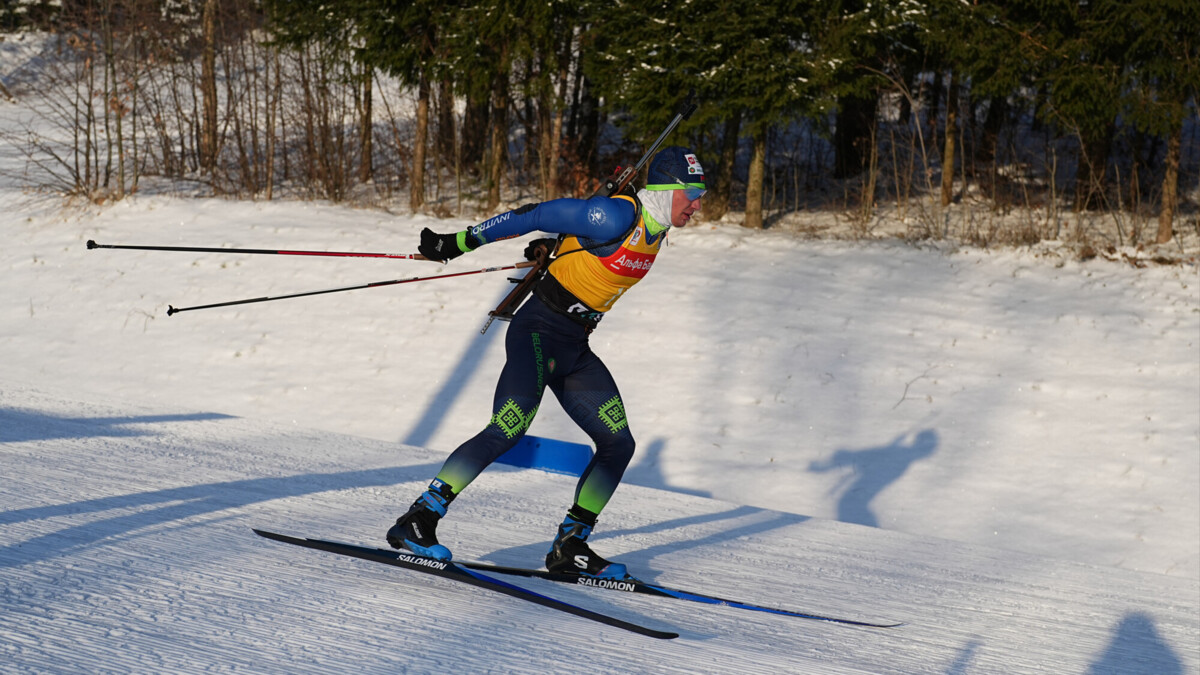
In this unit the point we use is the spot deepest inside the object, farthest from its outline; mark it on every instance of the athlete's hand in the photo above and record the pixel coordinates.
(439, 247)
(545, 245)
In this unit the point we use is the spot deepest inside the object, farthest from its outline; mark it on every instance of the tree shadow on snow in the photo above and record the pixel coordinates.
(871, 471)
(142, 513)
(465, 368)
(1137, 649)
(28, 425)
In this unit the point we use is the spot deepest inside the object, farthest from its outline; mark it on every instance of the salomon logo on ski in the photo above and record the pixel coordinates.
(608, 583)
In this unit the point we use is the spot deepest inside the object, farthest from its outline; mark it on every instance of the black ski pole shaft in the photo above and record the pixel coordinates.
(260, 251)
(375, 284)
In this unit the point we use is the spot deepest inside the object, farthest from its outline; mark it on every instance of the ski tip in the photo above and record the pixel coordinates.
(273, 535)
(871, 624)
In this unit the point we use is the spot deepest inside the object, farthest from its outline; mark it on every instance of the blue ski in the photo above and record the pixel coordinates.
(635, 585)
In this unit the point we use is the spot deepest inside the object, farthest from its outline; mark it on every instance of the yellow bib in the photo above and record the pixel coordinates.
(599, 281)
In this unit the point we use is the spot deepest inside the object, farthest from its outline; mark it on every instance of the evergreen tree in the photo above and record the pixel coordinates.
(545, 48)
(1160, 80)
(407, 39)
(484, 41)
(866, 42)
(757, 67)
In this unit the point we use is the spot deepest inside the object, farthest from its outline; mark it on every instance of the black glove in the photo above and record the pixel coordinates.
(547, 244)
(439, 247)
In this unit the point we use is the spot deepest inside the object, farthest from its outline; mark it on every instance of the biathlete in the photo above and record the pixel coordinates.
(610, 244)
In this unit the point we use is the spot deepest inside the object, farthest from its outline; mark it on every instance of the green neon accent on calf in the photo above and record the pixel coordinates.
(594, 497)
(457, 482)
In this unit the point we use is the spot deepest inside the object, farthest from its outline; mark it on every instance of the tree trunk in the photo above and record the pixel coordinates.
(499, 139)
(474, 133)
(716, 204)
(948, 145)
(445, 135)
(754, 184)
(545, 113)
(208, 88)
(588, 129)
(273, 89)
(852, 135)
(1093, 161)
(564, 79)
(368, 127)
(1170, 187)
(416, 183)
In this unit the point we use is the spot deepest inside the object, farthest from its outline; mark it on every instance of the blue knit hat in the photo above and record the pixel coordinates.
(675, 168)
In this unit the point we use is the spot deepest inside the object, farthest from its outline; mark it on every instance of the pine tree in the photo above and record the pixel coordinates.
(1160, 80)
(406, 38)
(757, 67)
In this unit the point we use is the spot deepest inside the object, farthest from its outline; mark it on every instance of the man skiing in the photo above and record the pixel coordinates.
(609, 245)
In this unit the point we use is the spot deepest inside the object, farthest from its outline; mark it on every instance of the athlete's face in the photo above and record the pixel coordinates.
(682, 208)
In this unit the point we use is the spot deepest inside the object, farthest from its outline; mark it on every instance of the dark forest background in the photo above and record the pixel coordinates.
(454, 106)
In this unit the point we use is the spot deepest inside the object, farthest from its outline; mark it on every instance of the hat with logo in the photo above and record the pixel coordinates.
(677, 168)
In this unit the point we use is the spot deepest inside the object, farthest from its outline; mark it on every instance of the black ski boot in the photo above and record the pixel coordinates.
(416, 530)
(570, 553)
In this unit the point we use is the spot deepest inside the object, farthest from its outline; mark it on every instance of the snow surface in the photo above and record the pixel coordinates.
(126, 547)
(1019, 431)
(999, 448)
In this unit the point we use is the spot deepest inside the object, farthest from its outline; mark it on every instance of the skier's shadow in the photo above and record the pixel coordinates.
(1138, 647)
(648, 471)
(871, 471)
(750, 521)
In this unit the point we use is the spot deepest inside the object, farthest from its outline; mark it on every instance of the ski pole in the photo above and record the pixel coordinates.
(260, 251)
(375, 284)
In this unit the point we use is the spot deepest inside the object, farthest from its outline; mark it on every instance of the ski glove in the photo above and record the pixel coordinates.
(444, 247)
(547, 244)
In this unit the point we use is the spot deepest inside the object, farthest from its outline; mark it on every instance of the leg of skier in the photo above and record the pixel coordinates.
(518, 394)
(590, 397)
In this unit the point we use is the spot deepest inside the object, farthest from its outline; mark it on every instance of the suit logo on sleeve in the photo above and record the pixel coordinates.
(596, 216)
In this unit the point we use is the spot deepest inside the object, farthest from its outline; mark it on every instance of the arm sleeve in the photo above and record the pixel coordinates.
(600, 218)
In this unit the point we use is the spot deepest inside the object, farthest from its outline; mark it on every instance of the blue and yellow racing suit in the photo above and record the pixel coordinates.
(609, 246)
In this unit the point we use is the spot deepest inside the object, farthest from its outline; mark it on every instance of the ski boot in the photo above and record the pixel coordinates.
(416, 530)
(570, 553)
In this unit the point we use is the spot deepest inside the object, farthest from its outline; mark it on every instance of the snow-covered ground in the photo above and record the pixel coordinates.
(999, 448)
(1021, 432)
(125, 547)
(1019, 401)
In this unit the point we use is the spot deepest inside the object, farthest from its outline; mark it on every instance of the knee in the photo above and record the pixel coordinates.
(616, 450)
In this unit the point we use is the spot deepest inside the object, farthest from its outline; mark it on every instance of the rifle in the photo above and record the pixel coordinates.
(614, 185)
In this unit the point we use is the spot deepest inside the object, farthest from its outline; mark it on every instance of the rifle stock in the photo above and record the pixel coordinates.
(510, 303)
